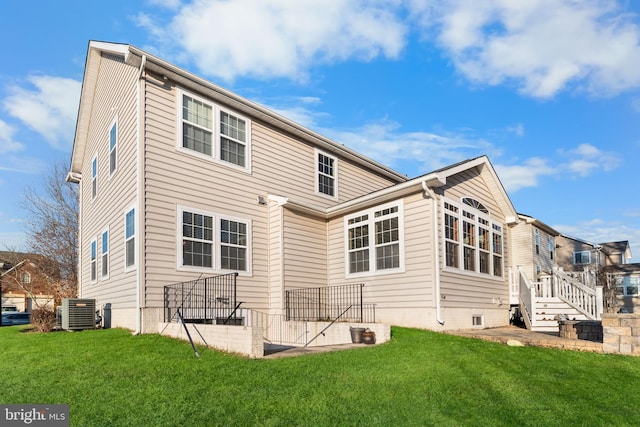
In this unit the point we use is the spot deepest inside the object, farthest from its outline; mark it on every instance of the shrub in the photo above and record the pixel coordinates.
(43, 319)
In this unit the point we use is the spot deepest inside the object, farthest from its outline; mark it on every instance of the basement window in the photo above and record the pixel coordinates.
(477, 320)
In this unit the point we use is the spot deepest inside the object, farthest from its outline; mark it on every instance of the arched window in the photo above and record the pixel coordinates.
(26, 278)
(475, 204)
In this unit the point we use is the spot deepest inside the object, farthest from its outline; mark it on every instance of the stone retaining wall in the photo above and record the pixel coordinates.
(589, 330)
(621, 333)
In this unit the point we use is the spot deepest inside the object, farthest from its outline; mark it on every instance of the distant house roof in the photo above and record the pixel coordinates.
(624, 268)
(539, 224)
(621, 247)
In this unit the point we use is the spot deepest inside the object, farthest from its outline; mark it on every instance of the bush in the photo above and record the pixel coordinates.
(43, 319)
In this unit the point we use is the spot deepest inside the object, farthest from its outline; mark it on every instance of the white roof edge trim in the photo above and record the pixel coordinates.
(274, 117)
(116, 48)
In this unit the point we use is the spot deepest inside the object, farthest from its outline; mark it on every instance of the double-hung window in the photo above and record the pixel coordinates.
(627, 285)
(536, 236)
(451, 235)
(94, 177)
(113, 148)
(212, 241)
(130, 238)
(94, 260)
(209, 130)
(552, 247)
(327, 174)
(105, 254)
(473, 242)
(197, 240)
(374, 241)
(582, 257)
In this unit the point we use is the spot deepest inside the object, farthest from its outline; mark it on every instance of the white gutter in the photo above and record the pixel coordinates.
(140, 138)
(436, 252)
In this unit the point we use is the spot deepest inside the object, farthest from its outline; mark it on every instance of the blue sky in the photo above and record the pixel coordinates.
(548, 89)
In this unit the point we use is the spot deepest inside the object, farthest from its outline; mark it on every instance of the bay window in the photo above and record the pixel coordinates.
(472, 241)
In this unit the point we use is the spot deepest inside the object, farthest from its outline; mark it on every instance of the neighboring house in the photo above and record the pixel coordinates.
(533, 245)
(181, 179)
(626, 280)
(24, 285)
(578, 255)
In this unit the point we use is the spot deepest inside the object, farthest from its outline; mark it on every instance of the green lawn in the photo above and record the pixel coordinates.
(111, 378)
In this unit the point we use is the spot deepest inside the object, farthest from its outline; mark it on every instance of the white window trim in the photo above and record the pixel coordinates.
(373, 271)
(115, 148)
(461, 218)
(102, 254)
(134, 266)
(215, 132)
(94, 178)
(93, 262)
(217, 252)
(316, 154)
(581, 255)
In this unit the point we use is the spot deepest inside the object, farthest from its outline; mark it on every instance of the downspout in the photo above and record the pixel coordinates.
(138, 198)
(436, 249)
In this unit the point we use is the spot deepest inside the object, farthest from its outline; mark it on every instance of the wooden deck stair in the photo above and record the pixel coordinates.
(548, 308)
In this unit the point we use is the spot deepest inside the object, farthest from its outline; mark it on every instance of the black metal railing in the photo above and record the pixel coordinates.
(340, 303)
(204, 300)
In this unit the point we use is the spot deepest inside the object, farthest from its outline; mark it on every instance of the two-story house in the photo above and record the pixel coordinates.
(181, 179)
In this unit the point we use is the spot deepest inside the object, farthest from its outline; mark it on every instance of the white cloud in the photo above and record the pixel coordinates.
(527, 174)
(281, 38)
(7, 143)
(49, 108)
(544, 46)
(586, 159)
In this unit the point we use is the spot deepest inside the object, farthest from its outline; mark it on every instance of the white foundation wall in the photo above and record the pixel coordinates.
(250, 340)
(453, 318)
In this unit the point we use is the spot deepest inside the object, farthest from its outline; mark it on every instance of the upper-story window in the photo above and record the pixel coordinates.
(472, 241)
(94, 177)
(552, 247)
(327, 173)
(26, 277)
(113, 148)
(212, 241)
(374, 240)
(582, 257)
(536, 234)
(214, 132)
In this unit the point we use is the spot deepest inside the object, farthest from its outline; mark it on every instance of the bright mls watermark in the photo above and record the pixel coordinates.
(34, 415)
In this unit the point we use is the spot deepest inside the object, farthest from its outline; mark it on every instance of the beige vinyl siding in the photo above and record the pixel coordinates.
(305, 251)
(275, 257)
(280, 165)
(115, 96)
(522, 248)
(460, 289)
(411, 289)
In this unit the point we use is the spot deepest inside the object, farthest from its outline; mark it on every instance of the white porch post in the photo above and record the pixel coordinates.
(599, 302)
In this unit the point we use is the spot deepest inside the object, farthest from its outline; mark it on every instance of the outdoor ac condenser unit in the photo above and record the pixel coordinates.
(78, 313)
